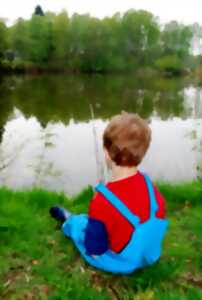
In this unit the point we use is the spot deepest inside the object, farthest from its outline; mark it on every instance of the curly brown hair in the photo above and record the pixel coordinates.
(127, 138)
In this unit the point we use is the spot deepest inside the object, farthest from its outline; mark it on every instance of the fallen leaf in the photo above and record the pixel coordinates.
(35, 262)
(52, 242)
(29, 296)
(27, 278)
(82, 269)
(45, 289)
(7, 283)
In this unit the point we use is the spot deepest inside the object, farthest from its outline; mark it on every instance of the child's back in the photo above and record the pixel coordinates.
(133, 192)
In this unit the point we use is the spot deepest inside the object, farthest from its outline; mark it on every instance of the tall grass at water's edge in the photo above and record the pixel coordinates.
(37, 262)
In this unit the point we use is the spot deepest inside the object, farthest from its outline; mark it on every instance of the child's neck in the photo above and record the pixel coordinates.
(118, 172)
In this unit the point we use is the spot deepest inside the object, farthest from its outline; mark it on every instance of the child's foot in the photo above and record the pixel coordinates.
(59, 213)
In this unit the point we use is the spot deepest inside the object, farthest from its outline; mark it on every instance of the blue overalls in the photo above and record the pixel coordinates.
(143, 249)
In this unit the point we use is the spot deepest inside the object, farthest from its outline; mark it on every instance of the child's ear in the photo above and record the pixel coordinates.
(106, 154)
(107, 158)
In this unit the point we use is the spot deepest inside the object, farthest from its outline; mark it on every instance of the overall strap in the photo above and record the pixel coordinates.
(118, 204)
(153, 203)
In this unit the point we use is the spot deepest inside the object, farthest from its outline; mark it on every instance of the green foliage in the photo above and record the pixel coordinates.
(37, 262)
(176, 39)
(60, 27)
(141, 34)
(3, 39)
(40, 34)
(19, 40)
(87, 44)
(169, 63)
(176, 42)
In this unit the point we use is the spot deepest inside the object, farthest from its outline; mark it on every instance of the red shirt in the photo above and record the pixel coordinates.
(132, 191)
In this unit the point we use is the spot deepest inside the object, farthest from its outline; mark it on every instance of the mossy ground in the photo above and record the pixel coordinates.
(37, 262)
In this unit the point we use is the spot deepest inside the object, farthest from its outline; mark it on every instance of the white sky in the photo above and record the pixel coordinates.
(186, 11)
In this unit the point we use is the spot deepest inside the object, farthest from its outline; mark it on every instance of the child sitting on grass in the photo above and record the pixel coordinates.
(125, 224)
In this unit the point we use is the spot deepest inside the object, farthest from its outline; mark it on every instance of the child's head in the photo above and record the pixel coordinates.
(126, 139)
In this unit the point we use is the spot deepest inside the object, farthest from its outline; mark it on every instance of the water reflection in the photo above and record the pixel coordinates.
(59, 98)
(193, 101)
(46, 136)
(61, 156)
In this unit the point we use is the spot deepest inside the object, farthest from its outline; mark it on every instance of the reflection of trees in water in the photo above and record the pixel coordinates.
(193, 101)
(198, 103)
(8, 156)
(59, 98)
(197, 107)
(6, 105)
(11, 150)
(42, 167)
(195, 134)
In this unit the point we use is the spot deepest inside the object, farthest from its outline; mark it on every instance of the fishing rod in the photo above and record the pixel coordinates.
(99, 168)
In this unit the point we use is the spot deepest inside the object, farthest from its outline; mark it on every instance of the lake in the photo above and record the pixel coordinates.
(46, 127)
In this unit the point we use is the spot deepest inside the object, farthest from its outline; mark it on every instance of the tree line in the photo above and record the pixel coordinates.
(87, 44)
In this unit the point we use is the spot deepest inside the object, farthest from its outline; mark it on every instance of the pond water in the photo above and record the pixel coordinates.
(46, 127)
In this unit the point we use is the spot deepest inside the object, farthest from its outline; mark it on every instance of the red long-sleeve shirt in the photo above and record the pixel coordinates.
(132, 191)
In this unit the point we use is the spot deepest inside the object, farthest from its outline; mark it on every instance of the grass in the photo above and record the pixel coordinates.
(37, 262)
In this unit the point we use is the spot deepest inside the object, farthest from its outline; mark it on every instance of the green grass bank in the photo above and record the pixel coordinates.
(37, 262)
